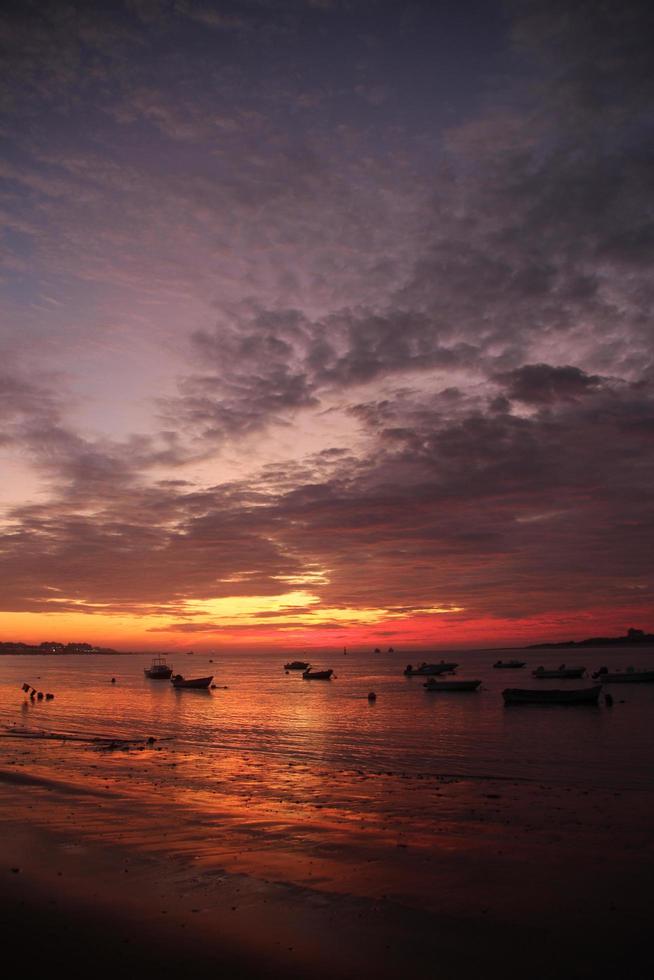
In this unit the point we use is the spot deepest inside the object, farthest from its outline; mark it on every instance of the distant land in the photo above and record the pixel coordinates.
(632, 637)
(54, 649)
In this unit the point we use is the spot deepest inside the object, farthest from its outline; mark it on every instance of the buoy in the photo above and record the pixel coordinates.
(113, 680)
(49, 697)
(40, 696)
(372, 696)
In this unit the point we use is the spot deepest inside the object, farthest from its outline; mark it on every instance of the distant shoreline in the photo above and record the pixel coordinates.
(633, 638)
(68, 653)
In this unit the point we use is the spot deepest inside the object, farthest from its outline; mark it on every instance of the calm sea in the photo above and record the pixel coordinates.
(275, 720)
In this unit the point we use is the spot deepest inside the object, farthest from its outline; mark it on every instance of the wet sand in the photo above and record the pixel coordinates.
(509, 878)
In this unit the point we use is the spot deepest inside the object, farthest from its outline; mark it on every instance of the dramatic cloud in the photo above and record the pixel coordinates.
(542, 384)
(309, 326)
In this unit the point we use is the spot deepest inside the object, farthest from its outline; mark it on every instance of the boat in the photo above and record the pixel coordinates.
(584, 695)
(197, 683)
(434, 685)
(158, 670)
(296, 665)
(561, 673)
(429, 669)
(510, 663)
(628, 676)
(317, 675)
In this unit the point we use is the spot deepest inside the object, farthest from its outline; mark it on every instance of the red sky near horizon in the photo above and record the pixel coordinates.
(315, 333)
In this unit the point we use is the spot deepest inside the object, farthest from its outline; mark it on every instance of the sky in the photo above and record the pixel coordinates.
(326, 323)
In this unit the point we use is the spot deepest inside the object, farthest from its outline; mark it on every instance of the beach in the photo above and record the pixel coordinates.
(169, 856)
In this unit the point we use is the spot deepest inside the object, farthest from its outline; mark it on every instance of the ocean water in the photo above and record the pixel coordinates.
(260, 723)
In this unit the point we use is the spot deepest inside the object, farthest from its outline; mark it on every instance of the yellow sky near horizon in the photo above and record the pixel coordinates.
(262, 619)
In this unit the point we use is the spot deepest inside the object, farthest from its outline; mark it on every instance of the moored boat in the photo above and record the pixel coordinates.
(197, 683)
(560, 673)
(425, 669)
(158, 670)
(509, 663)
(585, 695)
(297, 665)
(433, 685)
(628, 676)
(317, 675)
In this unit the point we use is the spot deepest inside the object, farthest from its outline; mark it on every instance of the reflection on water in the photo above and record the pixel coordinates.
(277, 721)
(310, 782)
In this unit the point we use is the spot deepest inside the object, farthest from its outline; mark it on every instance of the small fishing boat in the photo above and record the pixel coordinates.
(560, 673)
(317, 675)
(197, 683)
(429, 669)
(158, 670)
(585, 695)
(296, 665)
(628, 676)
(509, 663)
(433, 685)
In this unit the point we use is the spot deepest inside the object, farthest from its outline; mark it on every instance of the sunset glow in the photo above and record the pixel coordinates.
(327, 489)
(292, 357)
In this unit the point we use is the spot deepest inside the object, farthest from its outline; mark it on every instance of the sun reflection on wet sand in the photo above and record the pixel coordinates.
(434, 807)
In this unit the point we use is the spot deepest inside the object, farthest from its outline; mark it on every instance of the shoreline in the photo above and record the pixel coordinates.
(621, 643)
(145, 886)
(81, 906)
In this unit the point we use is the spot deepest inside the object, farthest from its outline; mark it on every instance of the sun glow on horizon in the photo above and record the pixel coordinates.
(264, 618)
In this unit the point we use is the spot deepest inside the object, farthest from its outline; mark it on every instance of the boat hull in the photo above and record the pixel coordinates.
(570, 673)
(451, 685)
(317, 675)
(297, 665)
(193, 683)
(586, 695)
(429, 670)
(510, 664)
(628, 677)
(158, 670)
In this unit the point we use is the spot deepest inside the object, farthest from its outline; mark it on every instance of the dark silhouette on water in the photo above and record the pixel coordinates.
(194, 683)
(628, 676)
(159, 670)
(585, 695)
(317, 675)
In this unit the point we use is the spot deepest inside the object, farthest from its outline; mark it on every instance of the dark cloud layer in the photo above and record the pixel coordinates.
(541, 384)
(536, 246)
(450, 511)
